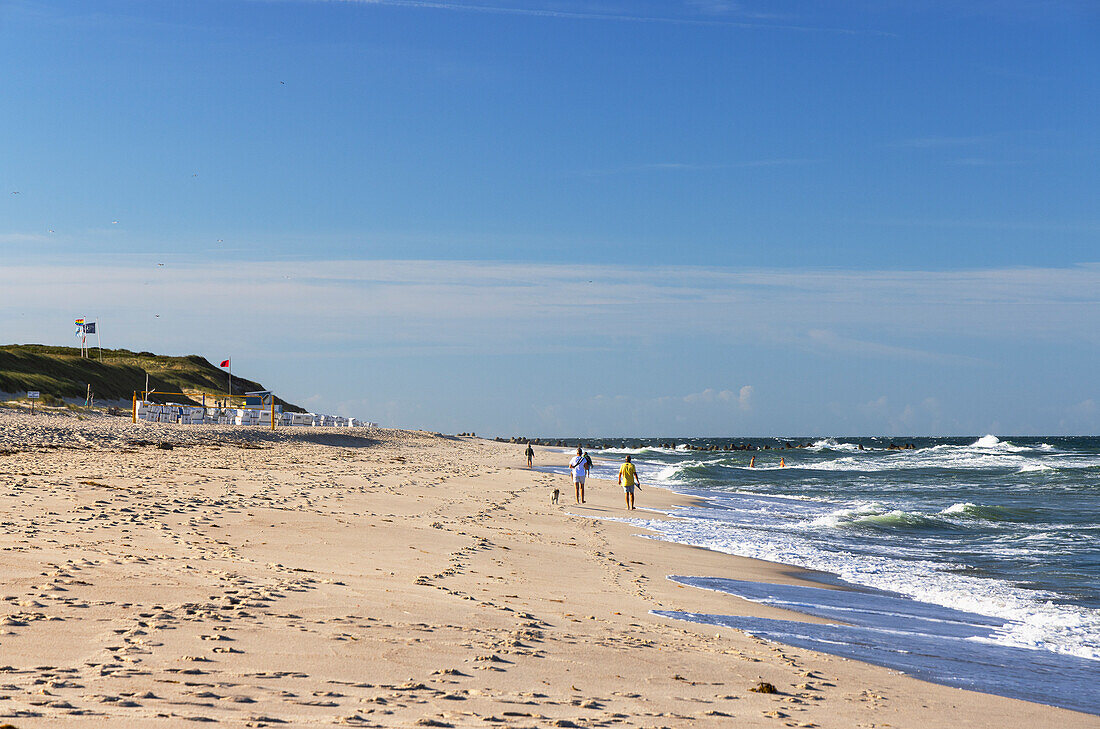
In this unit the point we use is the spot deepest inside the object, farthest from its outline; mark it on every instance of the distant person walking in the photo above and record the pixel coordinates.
(530, 453)
(579, 466)
(628, 478)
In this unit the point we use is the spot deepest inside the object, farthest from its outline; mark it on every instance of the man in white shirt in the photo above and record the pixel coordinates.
(579, 466)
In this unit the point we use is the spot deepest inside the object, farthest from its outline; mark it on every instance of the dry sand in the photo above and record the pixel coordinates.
(317, 577)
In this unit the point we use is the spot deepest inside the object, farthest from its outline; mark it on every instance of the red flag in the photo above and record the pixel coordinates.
(224, 364)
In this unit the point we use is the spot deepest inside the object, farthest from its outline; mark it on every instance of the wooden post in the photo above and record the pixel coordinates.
(133, 418)
(273, 411)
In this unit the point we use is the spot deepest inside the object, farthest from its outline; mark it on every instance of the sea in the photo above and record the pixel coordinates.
(971, 562)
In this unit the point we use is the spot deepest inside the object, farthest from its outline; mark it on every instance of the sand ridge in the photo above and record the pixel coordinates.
(313, 577)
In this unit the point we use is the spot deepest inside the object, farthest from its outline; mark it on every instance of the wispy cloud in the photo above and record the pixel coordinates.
(1059, 226)
(693, 167)
(545, 12)
(415, 306)
(23, 238)
(829, 340)
(936, 142)
(982, 162)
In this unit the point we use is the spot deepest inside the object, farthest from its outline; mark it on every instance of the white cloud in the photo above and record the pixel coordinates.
(457, 306)
(708, 395)
(744, 398)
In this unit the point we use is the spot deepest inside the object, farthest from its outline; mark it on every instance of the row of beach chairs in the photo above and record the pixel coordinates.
(197, 415)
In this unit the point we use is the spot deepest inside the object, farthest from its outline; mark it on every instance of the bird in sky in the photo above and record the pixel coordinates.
(114, 222)
(160, 264)
(14, 192)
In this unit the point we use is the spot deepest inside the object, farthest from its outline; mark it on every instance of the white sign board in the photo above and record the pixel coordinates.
(33, 394)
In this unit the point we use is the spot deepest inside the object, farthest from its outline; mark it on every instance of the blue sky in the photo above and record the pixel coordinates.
(666, 218)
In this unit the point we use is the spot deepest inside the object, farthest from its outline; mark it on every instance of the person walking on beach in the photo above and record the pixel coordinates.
(628, 477)
(579, 466)
(530, 453)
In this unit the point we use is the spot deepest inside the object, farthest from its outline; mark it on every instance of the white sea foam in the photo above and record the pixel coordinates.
(877, 514)
(1035, 468)
(832, 445)
(791, 497)
(946, 457)
(992, 442)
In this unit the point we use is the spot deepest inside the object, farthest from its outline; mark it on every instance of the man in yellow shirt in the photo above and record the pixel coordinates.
(628, 476)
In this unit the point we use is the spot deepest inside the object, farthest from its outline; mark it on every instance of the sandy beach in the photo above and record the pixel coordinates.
(164, 575)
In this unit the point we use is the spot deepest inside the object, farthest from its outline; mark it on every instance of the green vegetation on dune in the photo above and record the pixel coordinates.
(61, 372)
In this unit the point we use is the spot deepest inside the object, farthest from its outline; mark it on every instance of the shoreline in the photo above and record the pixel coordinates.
(397, 580)
(763, 572)
(672, 500)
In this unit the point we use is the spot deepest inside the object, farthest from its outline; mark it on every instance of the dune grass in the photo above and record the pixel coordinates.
(61, 372)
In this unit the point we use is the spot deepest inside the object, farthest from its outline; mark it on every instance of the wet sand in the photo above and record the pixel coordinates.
(162, 575)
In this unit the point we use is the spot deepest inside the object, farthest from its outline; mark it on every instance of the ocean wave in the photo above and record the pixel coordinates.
(832, 445)
(643, 450)
(992, 442)
(669, 475)
(790, 497)
(1035, 468)
(685, 471)
(941, 457)
(878, 517)
(970, 510)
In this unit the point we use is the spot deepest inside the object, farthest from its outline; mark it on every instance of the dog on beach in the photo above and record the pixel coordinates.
(554, 496)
